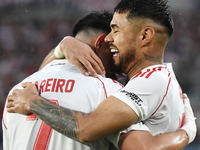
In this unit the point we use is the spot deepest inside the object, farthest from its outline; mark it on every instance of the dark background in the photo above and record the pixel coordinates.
(29, 29)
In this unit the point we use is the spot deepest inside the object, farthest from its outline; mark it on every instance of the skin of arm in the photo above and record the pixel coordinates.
(79, 54)
(143, 140)
(76, 125)
(50, 57)
(82, 56)
(80, 126)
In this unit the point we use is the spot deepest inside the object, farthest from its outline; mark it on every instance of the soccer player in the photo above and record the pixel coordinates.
(62, 79)
(138, 24)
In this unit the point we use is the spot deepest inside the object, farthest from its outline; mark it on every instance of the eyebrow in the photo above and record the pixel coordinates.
(114, 26)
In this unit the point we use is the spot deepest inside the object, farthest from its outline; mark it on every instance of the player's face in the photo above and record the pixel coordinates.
(106, 57)
(123, 41)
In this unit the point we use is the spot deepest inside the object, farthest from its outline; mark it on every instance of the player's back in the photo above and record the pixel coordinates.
(63, 84)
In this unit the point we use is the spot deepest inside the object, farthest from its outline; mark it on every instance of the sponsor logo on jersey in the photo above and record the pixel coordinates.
(133, 97)
(57, 64)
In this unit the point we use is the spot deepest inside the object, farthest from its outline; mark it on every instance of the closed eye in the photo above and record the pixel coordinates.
(114, 28)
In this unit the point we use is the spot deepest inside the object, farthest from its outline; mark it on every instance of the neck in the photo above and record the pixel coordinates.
(140, 65)
(135, 69)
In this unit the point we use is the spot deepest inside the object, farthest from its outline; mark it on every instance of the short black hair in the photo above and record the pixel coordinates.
(156, 10)
(96, 21)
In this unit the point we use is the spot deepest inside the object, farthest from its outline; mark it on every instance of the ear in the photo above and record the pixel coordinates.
(99, 41)
(148, 34)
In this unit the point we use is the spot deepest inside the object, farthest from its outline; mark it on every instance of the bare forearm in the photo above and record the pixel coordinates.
(143, 140)
(50, 57)
(61, 119)
(76, 125)
(172, 141)
(80, 126)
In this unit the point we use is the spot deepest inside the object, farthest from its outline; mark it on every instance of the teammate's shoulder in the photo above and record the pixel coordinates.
(108, 81)
(59, 64)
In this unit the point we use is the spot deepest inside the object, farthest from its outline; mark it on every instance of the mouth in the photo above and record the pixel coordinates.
(114, 52)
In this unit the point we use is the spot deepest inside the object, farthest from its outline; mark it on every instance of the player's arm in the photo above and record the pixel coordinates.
(110, 116)
(143, 140)
(90, 127)
(82, 56)
(79, 54)
(54, 54)
(50, 57)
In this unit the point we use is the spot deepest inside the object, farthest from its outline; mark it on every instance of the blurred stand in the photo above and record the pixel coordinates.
(29, 29)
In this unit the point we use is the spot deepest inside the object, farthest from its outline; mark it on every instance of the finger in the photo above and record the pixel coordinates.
(100, 68)
(10, 110)
(85, 64)
(25, 84)
(97, 67)
(92, 63)
(15, 92)
(10, 98)
(10, 104)
(80, 66)
(89, 67)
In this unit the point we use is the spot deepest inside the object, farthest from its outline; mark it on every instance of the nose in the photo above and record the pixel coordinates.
(109, 38)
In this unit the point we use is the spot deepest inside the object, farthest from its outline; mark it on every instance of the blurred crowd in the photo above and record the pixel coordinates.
(25, 42)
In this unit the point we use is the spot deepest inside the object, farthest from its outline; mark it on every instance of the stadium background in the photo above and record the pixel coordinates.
(29, 29)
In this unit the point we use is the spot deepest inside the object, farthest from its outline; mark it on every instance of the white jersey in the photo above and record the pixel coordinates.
(63, 84)
(156, 97)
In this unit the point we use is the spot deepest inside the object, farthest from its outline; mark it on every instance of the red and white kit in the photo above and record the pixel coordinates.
(156, 97)
(64, 85)
(154, 94)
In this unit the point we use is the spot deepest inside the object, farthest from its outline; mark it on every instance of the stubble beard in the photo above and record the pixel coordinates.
(125, 60)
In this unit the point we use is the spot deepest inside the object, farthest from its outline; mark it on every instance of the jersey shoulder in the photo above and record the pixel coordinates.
(153, 72)
(110, 85)
(152, 79)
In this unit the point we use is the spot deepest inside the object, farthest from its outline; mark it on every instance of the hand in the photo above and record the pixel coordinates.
(82, 56)
(189, 123)
(19, 101)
